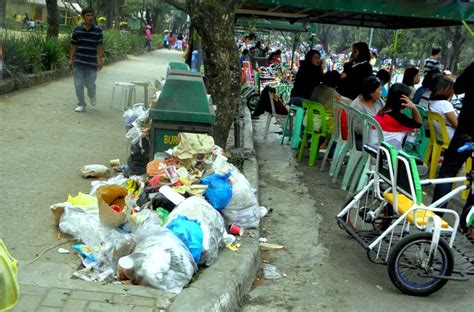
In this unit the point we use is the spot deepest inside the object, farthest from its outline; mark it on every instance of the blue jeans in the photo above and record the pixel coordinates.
(84, 77)
(452, 162)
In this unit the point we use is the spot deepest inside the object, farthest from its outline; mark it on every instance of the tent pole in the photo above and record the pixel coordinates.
(370, 38)
(468, 28)
(394, 51)
(293, 51)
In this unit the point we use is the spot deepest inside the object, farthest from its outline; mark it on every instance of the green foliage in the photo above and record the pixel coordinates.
(20, 56)
(54, 56)
(29, 53)
(118, 43)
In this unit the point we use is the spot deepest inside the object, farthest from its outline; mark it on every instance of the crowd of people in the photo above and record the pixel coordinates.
(366, 90)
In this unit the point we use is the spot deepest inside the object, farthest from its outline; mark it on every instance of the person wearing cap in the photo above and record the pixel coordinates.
(148, 38)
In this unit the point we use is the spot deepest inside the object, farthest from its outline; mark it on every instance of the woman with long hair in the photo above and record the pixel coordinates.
(307, 78)
(439, 103)
(395, 124)
(356, 70)
(411, 77)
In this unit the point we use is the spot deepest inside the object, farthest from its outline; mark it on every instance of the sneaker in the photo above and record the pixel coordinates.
(80, 109)
(93, 101)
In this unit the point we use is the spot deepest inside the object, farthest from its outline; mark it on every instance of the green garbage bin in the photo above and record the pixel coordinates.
(178, 65)
(183, 106)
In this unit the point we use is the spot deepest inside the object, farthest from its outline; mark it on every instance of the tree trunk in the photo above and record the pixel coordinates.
(53, 14)
(3, 12)
(109, 14)
(214, 21)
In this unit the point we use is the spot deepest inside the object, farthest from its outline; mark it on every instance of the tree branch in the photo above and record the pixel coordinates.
(179, 4)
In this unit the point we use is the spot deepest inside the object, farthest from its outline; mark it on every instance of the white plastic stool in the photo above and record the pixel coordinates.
(145, 85)
(127, 94)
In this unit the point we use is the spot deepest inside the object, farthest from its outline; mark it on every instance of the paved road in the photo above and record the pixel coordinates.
(43, 145)
(325, 269)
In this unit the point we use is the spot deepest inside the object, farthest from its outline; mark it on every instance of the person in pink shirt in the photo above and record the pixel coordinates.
(148, 38)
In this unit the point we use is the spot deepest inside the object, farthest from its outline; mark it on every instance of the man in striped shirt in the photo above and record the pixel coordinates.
(433, 61)
(86, 58)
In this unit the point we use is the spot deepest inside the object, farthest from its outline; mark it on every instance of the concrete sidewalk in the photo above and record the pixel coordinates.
(44, 143)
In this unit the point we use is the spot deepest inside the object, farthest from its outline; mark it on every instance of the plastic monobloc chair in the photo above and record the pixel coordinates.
(127, 94)
(336, 137)
(439, 139)
(270, 116)
(371, 134)
(309, 131)
(355, 116)
(293, 124)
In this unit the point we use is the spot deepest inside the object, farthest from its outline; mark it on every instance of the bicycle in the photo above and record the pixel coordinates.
(422, 251)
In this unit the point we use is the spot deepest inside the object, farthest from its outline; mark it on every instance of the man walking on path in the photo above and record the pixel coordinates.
(433, 61)
(86, 58)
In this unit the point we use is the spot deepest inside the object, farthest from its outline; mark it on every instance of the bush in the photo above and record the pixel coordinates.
(33, 52)
(20, 56)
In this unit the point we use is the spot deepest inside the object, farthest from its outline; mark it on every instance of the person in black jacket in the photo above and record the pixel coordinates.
(307, 78)
(464, 133)
(356, 70)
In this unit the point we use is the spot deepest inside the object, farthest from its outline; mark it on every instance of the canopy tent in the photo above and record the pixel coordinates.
(270, 24)
(389, 14)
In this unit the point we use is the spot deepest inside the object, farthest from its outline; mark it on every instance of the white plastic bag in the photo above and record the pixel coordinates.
(210, 221)
(243, 208)
(107, 244)
(160, 259)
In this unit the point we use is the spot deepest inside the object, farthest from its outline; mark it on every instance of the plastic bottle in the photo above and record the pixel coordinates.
(410, 142)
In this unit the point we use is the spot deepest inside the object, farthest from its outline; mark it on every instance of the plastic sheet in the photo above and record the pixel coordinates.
(131, 114)
(107, 244)
(243, 208)
(120, 180)
(211, 222)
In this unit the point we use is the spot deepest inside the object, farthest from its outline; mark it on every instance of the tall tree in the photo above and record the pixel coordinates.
(53, 18)
(214, 21)
(3, 11)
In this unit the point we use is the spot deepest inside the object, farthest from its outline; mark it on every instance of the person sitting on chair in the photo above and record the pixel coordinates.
(265, 105)
(307, 78)
(439, 103)
(395, 124)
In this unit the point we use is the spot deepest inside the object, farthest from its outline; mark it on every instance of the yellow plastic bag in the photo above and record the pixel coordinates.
(82, 200)
(9, 289)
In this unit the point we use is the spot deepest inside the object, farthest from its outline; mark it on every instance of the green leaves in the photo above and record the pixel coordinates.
(30, 53)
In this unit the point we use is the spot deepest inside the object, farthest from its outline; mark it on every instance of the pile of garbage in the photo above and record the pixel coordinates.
(156, 229)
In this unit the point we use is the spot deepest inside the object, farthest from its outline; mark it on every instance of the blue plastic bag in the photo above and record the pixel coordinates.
(190, 233)
(219, 190)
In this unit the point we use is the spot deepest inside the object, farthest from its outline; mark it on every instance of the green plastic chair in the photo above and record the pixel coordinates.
(354, 154)
(336, 137)
(309, 131)
(256, 81)
(293, 124)
(419, 148)
(372, 135)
